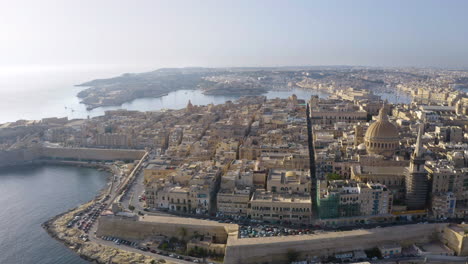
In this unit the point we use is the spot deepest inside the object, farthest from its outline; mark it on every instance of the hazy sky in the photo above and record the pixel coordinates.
(233, 33)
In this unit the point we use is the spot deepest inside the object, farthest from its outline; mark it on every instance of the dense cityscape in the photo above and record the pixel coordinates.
(375, 169)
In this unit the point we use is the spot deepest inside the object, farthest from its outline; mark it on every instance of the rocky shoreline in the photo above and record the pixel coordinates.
(90, 251)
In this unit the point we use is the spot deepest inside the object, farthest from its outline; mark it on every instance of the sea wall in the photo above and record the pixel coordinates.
(91, 154)
(19, 156)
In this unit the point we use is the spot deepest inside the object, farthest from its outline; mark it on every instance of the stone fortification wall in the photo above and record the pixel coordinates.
(267, 249)
(19, 156)
(274, 249)
(91, 154)
(453, 239)
(456, 238)
(150, 226)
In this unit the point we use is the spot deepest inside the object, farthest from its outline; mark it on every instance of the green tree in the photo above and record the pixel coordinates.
(173, 240)
(374, 252)
(333, 176)
(292, 255)
(183, 232)
(164, 246)
(131, 207)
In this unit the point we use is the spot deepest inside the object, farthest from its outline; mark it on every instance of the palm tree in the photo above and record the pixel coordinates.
(183, 232)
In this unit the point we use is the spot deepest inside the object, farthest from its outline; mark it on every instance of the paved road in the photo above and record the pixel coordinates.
(136, 189)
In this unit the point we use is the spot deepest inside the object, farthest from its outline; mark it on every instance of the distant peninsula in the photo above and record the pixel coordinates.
(212, 81)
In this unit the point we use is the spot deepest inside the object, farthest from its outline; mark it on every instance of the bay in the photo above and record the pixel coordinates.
(30, 195)
(37, 94)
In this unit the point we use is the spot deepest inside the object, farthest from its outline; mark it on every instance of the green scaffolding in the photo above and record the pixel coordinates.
(330, 207)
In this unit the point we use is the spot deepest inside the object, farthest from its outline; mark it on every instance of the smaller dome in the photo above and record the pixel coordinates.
(361, 146)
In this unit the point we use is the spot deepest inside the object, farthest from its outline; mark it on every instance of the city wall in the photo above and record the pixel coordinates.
(150, 226)
(456, 238)
(274, 249)
(27, 155)
(270, 250)
(19, 156)
(91, 154)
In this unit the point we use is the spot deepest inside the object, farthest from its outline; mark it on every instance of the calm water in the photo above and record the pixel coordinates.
(29, 196)
(51, 93)
(35, 94)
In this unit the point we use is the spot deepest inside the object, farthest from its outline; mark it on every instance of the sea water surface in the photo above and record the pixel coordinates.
(51, 92)
(36, 94)
(29, 196)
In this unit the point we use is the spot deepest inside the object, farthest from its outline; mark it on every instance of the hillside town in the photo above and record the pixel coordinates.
(287, 167)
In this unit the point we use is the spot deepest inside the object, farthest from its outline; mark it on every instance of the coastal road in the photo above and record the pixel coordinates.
(136, 189)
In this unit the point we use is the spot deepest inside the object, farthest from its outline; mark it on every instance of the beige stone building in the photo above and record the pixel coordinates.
(360, 199)
(267, 206)
(173, 198)
(391, 176)
(233, 202)
(114, 140)
(443, 205)
(446, 179)
(288, 182)
(200, 199)
(154, 172)
(336, 112)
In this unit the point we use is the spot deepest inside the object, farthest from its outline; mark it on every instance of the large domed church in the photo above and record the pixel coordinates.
(382, 137)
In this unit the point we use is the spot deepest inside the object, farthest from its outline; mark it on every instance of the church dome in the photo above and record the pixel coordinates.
(361, 146)
(382, 136)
